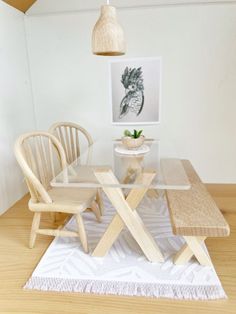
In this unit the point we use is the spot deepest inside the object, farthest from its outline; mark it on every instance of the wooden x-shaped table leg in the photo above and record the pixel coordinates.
(193, 247)
(127, 215)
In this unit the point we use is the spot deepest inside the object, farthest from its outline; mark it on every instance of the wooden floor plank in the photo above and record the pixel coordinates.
(17, 262)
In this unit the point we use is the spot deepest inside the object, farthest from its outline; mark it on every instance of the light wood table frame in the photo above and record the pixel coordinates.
(127, 215)
(138, 174)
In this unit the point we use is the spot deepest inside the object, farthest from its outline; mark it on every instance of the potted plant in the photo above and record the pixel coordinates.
(133, 140)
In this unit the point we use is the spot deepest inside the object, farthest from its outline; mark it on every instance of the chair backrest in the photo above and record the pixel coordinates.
(41, 157)
(68, 134)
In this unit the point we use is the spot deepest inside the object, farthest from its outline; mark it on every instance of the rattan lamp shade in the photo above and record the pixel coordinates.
(108, 36)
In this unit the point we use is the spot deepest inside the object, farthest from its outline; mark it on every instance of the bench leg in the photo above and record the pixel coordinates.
(193, 247)
(185, 253)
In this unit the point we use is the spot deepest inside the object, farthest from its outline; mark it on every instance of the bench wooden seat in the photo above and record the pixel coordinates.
(195, 216)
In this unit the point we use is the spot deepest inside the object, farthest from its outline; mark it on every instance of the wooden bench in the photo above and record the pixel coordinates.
(195, 216)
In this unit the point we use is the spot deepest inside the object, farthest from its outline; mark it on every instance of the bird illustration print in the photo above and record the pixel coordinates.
(133, 101)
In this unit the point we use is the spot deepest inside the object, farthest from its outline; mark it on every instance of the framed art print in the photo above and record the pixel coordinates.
(135, 90)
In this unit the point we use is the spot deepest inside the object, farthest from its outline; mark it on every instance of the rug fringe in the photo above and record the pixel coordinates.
(185, 292)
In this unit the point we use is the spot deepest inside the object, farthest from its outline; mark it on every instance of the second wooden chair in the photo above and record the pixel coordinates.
(69, 134)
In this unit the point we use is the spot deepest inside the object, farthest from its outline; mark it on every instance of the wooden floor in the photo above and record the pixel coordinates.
(17, 262)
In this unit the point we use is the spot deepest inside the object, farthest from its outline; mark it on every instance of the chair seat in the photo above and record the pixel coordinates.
(66, 200)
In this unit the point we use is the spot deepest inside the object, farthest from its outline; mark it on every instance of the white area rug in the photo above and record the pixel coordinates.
(125, 270)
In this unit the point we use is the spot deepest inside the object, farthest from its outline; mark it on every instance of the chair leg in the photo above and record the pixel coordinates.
(82, 233)
(34, 228)
(95, 209)
(99, 201)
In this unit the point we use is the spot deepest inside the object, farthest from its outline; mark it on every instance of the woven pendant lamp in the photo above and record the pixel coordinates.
(108, 36)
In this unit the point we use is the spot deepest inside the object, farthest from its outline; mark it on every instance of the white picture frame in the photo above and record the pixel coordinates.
(135, 93)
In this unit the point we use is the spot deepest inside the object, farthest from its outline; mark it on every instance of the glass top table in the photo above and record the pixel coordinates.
(128, 167)
(106, 165)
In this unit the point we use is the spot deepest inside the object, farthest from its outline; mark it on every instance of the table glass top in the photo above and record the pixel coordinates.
(130, 167)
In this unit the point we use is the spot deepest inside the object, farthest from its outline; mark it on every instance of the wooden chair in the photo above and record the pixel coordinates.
(69, 134)
(41, 156)
(195, 216)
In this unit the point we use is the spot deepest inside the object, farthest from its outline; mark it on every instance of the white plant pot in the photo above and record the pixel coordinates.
(132, 143)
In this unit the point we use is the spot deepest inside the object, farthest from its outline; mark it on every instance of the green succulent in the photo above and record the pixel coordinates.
(135, 134)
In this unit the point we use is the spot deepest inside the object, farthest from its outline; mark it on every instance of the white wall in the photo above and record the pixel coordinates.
(16, 113)
(198, 47)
